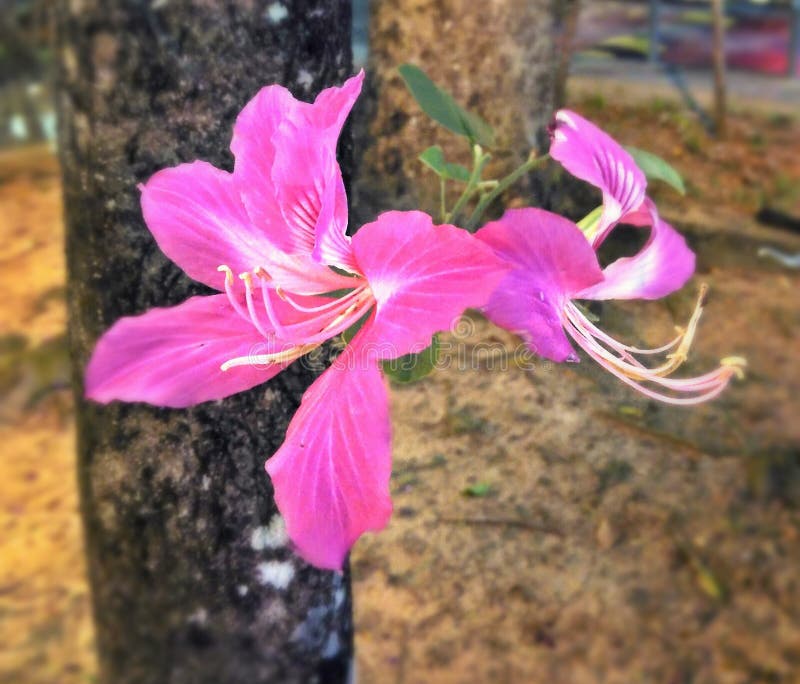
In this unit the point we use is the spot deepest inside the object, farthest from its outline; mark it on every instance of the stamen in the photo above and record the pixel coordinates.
(237, 307)
(630, 370)
(259, 272)
(327, 321)
(248, 293)
(269, 359)
(333, 302)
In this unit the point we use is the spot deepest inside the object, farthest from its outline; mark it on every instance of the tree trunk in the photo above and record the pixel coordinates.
(570, 13)
(191, 575)
(497, 58)
(718, 53)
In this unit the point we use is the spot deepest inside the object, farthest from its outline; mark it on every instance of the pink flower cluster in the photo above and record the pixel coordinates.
(271, 238)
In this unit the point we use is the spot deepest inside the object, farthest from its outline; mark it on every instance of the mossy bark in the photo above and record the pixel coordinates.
(191, 580)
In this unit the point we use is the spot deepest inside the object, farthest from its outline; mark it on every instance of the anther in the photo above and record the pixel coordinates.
(228, 273)
(737, 364)
(259, 272)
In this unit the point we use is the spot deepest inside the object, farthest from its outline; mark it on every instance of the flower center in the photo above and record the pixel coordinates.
(304, 323)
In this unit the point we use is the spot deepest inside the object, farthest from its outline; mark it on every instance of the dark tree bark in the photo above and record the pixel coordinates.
(192, 581)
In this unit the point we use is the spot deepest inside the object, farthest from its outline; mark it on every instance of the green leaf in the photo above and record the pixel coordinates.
(479, 489)
(433, 158)
(457, 172)
(442, 108)
(413, 367)
(655, 168)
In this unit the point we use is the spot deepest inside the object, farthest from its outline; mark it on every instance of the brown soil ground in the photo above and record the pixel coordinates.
(607, 539)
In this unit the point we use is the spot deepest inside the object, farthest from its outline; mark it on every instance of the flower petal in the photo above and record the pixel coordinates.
(422, 276)
(595, 157)
(254, 152)
(331, 475)
(332, 245)
(301, 274)
(551, 260)
(172, 356)
(310, 192)
(198, 220)
(269, 127)
(333, 105)
(516, 308)
(662, 266)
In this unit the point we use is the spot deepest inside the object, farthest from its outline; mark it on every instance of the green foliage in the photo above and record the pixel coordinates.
(477, 490)
(655, 168)
(433, 158)
(413, 367)
(442, 108)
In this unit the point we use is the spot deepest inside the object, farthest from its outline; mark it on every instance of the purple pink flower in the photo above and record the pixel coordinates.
(279, 221)
(554, 264)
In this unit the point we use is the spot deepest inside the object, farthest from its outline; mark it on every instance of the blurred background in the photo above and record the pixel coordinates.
(550, 525)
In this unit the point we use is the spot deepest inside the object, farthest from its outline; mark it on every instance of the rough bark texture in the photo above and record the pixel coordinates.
(498, 58)
(192, 580)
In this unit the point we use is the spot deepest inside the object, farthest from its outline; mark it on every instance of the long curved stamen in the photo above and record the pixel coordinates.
(323, 327)
(237, 307)
(248, 285)
(329, 319)
(674, 360)
(263, 359)
(323, 307)
(618, 359)
(619, 346)
(325, 321)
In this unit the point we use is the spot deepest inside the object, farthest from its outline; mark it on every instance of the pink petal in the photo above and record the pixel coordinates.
(198, 220)
(271, 125)
(422, 276)
(551, 260)
(662, 266)
(172, 356)
(331, 475)
(302, 274)
(334, 104)
(332, 244)
(595, 157)
(254, 153)
(310, 192)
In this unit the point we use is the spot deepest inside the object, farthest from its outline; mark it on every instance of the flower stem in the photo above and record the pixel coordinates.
(501, 187)
(479, 160)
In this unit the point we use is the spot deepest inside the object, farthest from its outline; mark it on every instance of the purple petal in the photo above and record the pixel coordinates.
(662, 266)
(331, 475)
(595, 157)
(551, 260)
(172, 356)
(422, 276)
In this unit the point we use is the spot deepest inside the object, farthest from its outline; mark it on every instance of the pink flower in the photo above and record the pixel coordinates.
(554, 264)
(594, 156)
(279, 221)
